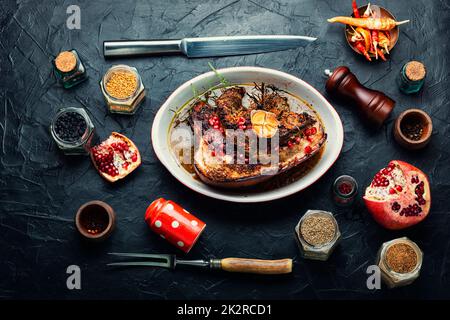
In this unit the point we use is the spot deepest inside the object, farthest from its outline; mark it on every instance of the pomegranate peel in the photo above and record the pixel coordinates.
(399, 196)
(116, 157)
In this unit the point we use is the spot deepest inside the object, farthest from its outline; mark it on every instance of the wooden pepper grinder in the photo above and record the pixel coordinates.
(374, 105)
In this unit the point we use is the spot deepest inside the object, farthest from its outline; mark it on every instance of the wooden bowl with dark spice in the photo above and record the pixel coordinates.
(95, 220)
(413, 129)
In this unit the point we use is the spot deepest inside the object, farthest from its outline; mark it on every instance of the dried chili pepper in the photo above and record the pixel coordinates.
(365, 34)
(362, 49)
(384, 40)
(355, 9)
(369, 23)
(381, 54)
(375, 42)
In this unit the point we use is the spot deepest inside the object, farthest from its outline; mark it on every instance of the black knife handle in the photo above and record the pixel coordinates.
(122, 48)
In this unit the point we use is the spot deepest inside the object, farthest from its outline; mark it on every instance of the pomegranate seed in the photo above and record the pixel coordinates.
(345, 188)
(384, 171)
(391, 191)
(297, 139)
(310, 131)
(399, 188)
(290, 144)
(308, 149)
(134, 157)
(396, 206)
(213, 153)
(216, 126)
(244, 127)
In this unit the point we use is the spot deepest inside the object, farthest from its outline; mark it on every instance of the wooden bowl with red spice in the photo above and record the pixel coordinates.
(95, 220)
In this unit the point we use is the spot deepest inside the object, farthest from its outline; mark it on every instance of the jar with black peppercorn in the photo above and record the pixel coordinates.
(69, 69)
(72, 130)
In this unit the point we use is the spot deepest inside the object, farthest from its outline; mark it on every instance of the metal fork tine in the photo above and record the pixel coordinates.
(139, 263)
(142, 255)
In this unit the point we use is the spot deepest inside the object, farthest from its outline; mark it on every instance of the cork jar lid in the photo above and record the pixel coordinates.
(415, 71)
(66, 61)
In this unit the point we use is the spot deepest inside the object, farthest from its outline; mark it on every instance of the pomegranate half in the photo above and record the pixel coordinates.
(399, 196)
(116, 157)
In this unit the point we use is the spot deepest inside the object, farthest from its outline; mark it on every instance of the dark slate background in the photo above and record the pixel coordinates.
(41, 189)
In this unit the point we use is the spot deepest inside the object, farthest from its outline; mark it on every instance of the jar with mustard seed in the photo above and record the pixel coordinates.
(122, 89)
(400, 261)
(69, 68)
(317, 234)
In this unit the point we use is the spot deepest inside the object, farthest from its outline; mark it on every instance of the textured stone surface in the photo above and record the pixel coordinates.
(40, 189)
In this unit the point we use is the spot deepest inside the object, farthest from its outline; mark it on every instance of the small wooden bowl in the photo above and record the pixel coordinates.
(96, 215)
(384, 14)
(416, 115)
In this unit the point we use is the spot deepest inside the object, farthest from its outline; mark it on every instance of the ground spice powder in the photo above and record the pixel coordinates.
(401, 258)
(318, 230)
(121, 84)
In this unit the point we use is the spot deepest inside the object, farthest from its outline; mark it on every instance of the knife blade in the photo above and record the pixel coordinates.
(205, 47)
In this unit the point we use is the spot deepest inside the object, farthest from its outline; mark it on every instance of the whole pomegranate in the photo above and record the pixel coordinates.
(399, 196)
(115, 157)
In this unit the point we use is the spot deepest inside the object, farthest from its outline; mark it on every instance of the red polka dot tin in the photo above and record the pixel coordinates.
(174, 223)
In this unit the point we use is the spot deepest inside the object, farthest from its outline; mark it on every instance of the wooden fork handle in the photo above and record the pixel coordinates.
(256, 266)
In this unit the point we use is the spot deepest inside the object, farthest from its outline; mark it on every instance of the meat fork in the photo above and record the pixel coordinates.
(241, 265)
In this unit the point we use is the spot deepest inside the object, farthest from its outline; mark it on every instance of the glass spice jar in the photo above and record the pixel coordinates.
(317, 234)
(412, 77)
(73, 130)
(345, 189)
(122, 89)
(69, 69)
(400, 261)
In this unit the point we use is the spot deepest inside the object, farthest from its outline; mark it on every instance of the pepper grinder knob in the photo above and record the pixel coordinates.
(374, 105)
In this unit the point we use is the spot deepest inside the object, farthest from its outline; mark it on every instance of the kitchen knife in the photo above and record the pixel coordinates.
(205, 47)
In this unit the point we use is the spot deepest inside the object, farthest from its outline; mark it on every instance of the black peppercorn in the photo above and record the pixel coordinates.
(70, 126)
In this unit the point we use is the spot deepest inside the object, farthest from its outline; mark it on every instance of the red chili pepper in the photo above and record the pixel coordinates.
(363, 50)
(381, 54)
(375, 42)
(355, 9)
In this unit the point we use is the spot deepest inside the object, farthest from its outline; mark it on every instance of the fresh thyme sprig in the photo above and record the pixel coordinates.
(222, 79)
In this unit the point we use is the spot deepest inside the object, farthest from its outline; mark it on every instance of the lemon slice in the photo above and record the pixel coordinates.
(264, 123)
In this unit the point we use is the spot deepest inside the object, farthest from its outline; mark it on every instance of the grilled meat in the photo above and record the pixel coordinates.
(212, 163)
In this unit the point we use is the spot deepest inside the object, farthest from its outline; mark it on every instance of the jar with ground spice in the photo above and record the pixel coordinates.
(122, 89)
(317, 234)
(412, 77)
(69, 69)
(400, 261)
(72, 130)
